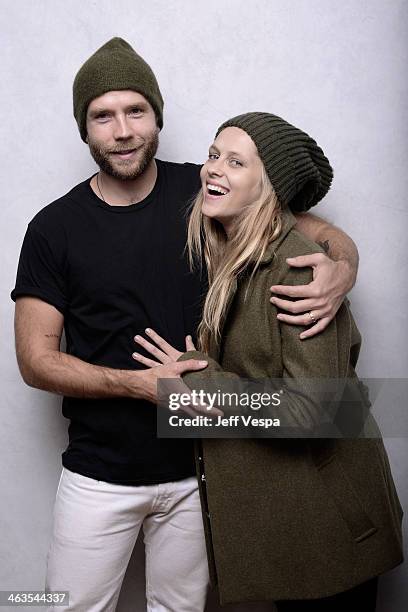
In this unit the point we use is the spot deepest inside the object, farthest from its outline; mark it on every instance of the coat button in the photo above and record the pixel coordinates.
(203, 477)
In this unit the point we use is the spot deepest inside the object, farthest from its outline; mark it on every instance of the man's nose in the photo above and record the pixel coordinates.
(122, 129)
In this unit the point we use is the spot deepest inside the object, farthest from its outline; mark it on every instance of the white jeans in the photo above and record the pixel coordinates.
(96, 525)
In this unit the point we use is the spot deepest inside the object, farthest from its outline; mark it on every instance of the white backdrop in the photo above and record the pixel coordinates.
(335, 69)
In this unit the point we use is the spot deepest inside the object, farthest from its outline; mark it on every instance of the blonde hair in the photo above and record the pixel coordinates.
(258, 224)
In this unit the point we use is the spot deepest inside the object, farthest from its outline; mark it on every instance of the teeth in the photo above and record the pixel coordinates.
(216, 188)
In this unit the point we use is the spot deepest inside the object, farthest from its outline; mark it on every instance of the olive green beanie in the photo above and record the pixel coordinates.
(114, 66)
(299, 171)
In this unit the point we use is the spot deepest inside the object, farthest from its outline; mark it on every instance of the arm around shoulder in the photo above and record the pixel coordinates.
(335, 242)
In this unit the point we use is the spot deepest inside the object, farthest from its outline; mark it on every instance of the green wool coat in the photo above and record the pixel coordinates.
(291, 518)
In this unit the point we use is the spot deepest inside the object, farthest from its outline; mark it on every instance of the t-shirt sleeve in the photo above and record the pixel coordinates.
(195, 175)
(40, 270)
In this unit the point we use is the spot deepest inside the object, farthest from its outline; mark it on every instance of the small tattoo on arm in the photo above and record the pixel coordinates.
(325, 245)
(51, 335)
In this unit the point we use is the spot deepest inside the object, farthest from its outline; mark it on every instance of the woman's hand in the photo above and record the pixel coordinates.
(321, 298)
(168, 355)
(164, 354)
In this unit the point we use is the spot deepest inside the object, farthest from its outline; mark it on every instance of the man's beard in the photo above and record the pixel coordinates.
(128, 169)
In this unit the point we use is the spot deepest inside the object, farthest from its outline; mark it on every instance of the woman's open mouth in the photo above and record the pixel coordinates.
(214, 192)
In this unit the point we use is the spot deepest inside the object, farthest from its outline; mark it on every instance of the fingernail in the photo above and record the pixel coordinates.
(279, 316)
(148, 330)
(272, 300)
(203, 363)
(137, 338)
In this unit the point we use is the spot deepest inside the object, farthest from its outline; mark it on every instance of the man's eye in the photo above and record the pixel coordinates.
(102, 116)
(136, 111)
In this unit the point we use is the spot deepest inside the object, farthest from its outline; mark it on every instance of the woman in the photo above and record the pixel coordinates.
(306, 523)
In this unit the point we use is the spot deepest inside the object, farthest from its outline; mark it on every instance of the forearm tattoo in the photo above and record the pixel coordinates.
(51, 335)
(325, 245)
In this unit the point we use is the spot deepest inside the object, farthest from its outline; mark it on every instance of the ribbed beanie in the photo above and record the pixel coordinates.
(299, 171)
(114, 66)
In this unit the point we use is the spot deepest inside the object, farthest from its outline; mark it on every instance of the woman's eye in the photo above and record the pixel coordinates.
(235, 162)
(212, 156)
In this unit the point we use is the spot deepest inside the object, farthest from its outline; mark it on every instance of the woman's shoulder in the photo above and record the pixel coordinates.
(290, 242)
(295, 243)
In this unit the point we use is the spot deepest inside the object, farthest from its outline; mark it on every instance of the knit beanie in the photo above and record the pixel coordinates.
(114, 66)
(299, 171)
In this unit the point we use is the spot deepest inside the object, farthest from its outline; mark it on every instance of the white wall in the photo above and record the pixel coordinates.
(335, 69)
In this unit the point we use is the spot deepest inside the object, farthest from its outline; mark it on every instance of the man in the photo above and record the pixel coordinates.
(103, 262)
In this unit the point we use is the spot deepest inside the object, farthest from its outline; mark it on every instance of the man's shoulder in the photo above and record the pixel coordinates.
(182, 180)
(56, 211)
(180, 166)
(186, 170)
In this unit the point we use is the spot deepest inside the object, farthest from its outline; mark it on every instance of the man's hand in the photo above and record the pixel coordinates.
(173, 371)
(167, 366)
(318, 301)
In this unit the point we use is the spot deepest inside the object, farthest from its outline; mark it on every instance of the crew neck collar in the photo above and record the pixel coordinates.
(129, 207)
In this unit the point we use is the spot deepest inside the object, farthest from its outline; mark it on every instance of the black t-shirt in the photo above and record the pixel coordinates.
(112, 271)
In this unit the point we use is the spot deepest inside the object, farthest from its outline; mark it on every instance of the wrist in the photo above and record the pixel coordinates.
(128, 383)
(348, 273)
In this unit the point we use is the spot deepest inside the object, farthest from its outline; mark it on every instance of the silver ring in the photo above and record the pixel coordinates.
(312, 317)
